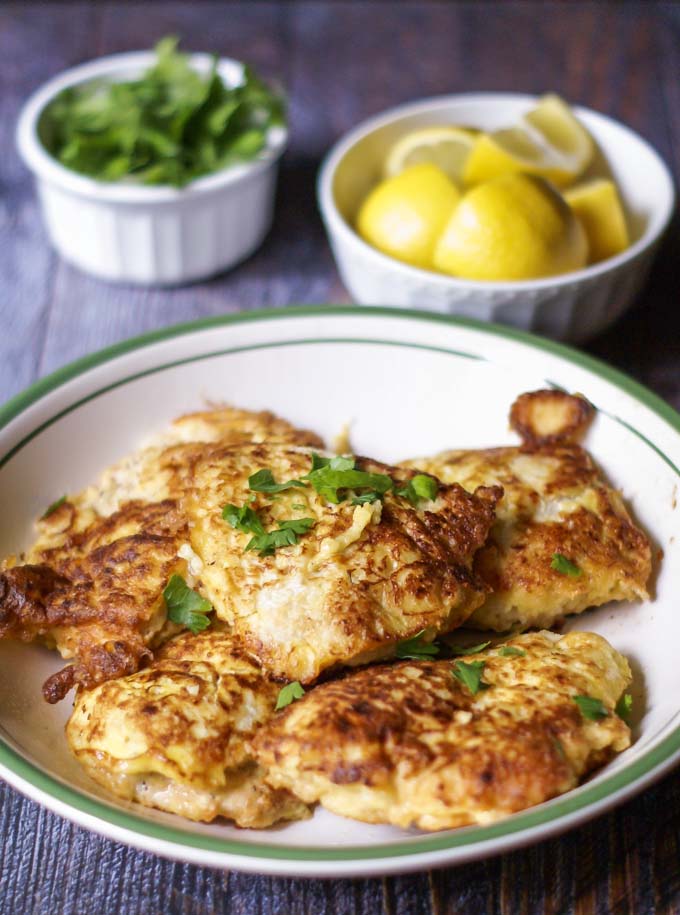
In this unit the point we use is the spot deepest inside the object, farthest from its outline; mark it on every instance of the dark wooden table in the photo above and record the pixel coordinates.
(341, 61)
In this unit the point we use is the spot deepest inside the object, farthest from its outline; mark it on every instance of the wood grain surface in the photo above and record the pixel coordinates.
(341, 61)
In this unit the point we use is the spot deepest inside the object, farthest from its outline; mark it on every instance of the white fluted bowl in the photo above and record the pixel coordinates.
(574, 306)
(145, 234)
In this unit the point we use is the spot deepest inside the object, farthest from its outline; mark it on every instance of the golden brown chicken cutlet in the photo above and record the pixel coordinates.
(351, 580)
(161, 468)
(91, 585)
(442, 744)
(563, 540)
(173, 736)
(98, 597)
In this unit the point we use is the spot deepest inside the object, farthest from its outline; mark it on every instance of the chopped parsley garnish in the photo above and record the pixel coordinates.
(370, 496)
(186, 607)
(263, 481)
(470, 675)
(333, 477)
(244, 519)
(624, 707)
(289, 693)
(286, 534)
(247, 521)
(52, 508)
(318, 462)
(416, 648)
(564, 566)
(329, 476)
(420, 487)
(472, 649)
(169, 125)
(592, 709)
(509, 651)
(298, 506)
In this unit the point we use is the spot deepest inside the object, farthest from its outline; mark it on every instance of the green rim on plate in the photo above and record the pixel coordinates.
(650, 765)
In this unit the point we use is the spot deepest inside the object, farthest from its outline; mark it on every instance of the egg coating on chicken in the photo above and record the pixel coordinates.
(556, 503)
(359, 578)
(173, 736)
(91, 585)
(160, 469)
(412, 744)
(98, 597)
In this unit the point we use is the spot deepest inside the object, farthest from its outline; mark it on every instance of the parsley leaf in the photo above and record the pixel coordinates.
(168, 126)
(244, 519)
(342, 462)
(286, 535)
(624, 707)
(338, 473)
(297, 525)
(420, 487)
(289, 693)
(415, 648)
(472, 649)
(470, 675)
(509, 651)
(317, 463)
(52, 508)
(564, 566)
(186, 607)
(592, 709)
(263, 481)
(370, 496)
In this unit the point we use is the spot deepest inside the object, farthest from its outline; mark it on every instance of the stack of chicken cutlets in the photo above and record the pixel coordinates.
(254, 625)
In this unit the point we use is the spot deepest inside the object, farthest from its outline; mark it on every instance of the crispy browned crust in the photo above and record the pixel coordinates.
(174, 735)
(555, 501)
(614, 556)
(550, 417)
(97, 595)
(93, 581)
(312, 606)
(410, 745)
(25, 593)
(449, 535)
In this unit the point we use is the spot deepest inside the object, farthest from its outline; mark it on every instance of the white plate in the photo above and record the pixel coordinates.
(410, 383)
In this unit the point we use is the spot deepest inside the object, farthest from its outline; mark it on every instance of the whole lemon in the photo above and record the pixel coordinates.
(405, 215)
(515, 227)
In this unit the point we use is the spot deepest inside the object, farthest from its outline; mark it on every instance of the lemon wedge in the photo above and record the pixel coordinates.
(554, 121)
(550, 143)
(405, 215)
(598, 208)
(446, 147)
(514, 227)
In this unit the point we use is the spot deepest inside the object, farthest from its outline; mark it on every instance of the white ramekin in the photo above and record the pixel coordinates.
(573, 306)
(135, 233)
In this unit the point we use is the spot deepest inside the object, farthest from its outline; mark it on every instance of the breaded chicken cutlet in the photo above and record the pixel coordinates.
(356, 575)
(98, 598)
(314, 563)
(174, 735)
(563, 540)
(442, 744)
(161, 469)
(92, 584)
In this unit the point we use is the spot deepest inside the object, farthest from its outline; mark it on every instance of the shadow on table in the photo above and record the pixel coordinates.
(646, 341)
